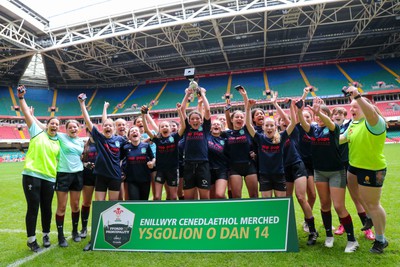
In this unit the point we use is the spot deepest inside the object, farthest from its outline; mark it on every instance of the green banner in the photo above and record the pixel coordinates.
(195, 226)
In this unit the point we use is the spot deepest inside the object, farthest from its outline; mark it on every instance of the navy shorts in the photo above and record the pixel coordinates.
(103, 183)
(243, 169)
(89, 178)
(309, 168)
(196, 174)
(217, 174)
(368, 177)
(270, 182)
(171, 177)
(66, 181)
(295, 171)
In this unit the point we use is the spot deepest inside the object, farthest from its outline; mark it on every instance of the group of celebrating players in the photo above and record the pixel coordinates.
(203, 158)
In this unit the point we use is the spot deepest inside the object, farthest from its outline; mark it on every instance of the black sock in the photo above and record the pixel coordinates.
(327, 220)
(75, 221)
(311, 224)
(60, 225)
(347, 223)
(85, 216)
(363, 217)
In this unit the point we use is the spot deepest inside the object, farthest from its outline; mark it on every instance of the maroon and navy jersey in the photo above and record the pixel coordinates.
(291, 154)
(325, 148)
(136, 158)
(109, 154)
(196, 148)
(270, 155)
(167, 156)
(238, 145)
(216, 155)
(304, 144)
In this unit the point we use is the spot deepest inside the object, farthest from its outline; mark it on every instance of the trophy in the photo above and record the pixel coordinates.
(189, 74)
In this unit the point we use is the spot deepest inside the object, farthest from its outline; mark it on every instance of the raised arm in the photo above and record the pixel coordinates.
(227, 111)
(206, 105)
(104, 115)
(151, 122)
(21, 91)
(292, 123)
(304, 124)
(316, 108)
(188, 92)
(279, 110)
(88, 122)
(145, 112)
(249, 124)
(306, 91)
(369, 111)
(39, 123)
(182, 125)
(243, 93)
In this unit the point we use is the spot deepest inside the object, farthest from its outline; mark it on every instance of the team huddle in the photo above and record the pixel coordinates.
(203, 158)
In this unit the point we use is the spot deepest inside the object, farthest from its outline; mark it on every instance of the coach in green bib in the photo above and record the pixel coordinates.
(39, 174)
(366, 138)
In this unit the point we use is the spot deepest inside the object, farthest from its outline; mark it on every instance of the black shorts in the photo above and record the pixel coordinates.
(309, 168)
(103, 183)
(270, 182)
(295, 171)
(368, 177)
(196, 174)
(66, 181)
(89, 178)
(181, 170)
(217, 174)
(171, 177)
(243, 169)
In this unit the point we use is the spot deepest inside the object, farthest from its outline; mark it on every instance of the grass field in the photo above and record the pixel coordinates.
(14, 251)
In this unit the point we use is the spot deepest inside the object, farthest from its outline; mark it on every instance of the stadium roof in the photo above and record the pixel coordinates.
(212, 36)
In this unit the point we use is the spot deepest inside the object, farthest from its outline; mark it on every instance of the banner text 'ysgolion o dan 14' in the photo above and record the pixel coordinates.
(195, 226)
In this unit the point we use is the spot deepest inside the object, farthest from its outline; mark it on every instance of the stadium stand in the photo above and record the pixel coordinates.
(287, 82)
(393, 64)
(173, 93)
(41, 99)
(369, 74)
(393, 136)
(389, 108)
(5, 102)
(216, 87)
(67, 102)
(328, 79)
(143, 95)
(253, 82)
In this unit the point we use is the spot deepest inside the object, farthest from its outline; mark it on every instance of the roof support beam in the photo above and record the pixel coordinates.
(317, 14)
(173, 38)
(220, 41)
(370, 12)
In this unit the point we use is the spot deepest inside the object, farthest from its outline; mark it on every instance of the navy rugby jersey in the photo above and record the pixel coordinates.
(325, 148)
(270, 156)
(216, 155)
(196, 148)
(238, 145)
(109, 152)
(136, 158)
(291, 155)
(167, 155)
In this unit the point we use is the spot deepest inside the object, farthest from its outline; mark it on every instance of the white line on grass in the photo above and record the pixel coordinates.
(19, 231)
(34, 255)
